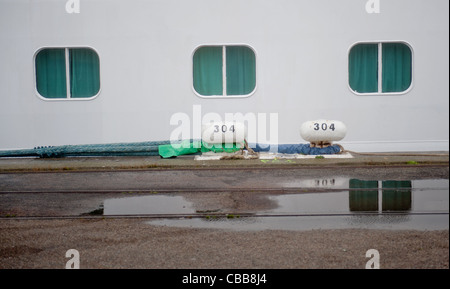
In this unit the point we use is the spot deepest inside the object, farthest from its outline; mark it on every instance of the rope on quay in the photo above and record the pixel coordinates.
(159, 148)
(112, 149)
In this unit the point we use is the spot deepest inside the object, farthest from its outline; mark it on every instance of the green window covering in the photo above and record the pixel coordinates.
(208, 70)
(84, 73)
(363, 68)
(51, 73)
(397, 67)
(241, 70)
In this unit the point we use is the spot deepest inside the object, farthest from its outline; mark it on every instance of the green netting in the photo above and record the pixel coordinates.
(188, 147)
(183, 148)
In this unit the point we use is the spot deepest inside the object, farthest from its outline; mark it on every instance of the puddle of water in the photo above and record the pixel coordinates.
(142, 205)
(398, 205)
(413, 201)
(317, 203)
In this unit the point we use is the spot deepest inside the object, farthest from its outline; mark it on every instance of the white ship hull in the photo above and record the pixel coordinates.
(301, 48)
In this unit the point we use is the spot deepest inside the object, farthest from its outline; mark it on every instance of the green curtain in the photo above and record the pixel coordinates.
(84, 72)
(208, 70)
(51, 73)
(241, 70)
(397, 67)
(363, 68)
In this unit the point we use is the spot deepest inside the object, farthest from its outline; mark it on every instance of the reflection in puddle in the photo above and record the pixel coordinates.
(401, 205)
(366, 196)
(325, 183)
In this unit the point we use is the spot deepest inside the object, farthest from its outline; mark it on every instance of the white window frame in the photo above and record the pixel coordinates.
(380, 68)
(68, 97)
(224, 71)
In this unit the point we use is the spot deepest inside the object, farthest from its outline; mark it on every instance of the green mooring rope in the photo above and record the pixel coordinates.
(113, 149)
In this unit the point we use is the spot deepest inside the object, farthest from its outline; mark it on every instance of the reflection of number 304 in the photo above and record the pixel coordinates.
(224, 128)
(323, 126)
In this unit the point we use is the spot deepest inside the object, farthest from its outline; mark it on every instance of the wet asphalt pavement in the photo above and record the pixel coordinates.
(199, 179)
(81, 188)
(73, 193)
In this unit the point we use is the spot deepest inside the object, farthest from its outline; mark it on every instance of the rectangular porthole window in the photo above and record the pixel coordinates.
(67, 73)
(224, 71)
(380, 68)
